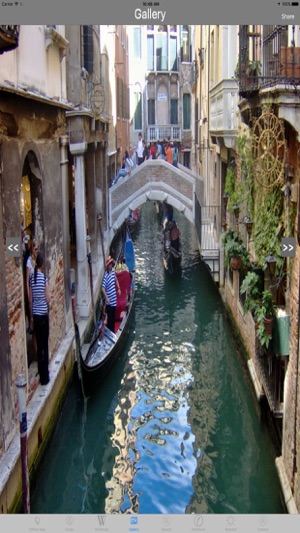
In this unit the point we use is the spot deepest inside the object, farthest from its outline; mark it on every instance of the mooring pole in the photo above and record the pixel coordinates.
(89, 257)
(101, 236)
(21, 390)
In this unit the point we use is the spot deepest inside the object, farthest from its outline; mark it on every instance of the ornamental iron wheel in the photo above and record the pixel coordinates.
(269, 149)
(97, 100)
(96, 97)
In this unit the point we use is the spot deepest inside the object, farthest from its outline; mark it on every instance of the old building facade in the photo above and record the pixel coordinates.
(162, 85)
(33, 108)
(248, 146)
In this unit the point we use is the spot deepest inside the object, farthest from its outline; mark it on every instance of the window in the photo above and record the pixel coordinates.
(87, 48)
(185, 44)
(150, 52)
(137, 49)
(174, 111)
(187, 159)
(137, 110)
(151, 112)
(162, 49)
(186, 111)
(196, 121)
(173, 54)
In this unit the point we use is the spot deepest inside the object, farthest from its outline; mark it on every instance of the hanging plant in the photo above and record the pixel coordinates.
(251, 286)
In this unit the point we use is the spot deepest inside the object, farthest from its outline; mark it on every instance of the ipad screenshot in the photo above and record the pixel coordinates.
(150, 266)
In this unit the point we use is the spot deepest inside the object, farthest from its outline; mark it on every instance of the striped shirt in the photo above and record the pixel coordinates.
(109, 284)
(38, 290)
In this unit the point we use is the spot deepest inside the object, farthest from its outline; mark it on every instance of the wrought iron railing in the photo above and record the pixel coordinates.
(9, 38)
(267, 57)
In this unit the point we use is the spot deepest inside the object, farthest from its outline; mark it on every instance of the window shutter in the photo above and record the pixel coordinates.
(88, 48)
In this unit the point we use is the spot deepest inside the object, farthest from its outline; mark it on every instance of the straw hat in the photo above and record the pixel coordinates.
(108, 261)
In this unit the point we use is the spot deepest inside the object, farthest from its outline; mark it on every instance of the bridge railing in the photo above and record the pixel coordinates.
(166, 131)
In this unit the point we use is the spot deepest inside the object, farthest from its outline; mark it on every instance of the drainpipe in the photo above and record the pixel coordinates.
(64, 164)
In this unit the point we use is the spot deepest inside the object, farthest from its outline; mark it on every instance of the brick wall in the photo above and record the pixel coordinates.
(291, 431)
(245, 323)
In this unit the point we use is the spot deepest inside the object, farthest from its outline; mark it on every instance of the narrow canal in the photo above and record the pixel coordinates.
(175, 427)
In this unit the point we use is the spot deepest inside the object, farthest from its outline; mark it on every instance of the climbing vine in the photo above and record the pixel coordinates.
(241, 191)
(269, 225)
(247, 170)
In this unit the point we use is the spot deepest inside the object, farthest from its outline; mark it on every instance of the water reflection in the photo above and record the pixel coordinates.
(174, 428)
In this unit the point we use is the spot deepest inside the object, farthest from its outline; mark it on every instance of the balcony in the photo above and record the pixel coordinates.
(9, 38)
(167, 131)
(267, 59)
(223, 105)
(282, 67)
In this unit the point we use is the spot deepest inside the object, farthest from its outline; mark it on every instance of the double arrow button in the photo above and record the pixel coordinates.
(13, 247)
(288, 247)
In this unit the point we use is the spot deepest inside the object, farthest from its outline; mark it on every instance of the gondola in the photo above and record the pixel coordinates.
(97, 358)
(133, 219)
(171, 241)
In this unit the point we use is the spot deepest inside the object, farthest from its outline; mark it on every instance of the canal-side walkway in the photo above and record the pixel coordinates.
(42, 412)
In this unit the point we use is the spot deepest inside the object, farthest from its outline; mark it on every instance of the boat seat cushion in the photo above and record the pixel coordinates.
(124, 279)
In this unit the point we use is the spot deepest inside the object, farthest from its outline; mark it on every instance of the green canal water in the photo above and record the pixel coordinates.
(175, 427)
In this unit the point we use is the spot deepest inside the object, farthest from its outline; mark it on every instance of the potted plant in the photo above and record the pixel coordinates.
(253, 68)
(264, 318)
(236, 254)
(269, 311)
(251, 286)
(263, 337)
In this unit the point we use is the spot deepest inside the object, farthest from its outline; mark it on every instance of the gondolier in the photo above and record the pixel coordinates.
(109, 286)
(100, 354)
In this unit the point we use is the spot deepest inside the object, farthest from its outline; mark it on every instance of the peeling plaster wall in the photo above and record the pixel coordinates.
(28, 127)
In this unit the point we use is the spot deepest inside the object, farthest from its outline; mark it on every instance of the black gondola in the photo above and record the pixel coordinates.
(98, 357)
(171, 241)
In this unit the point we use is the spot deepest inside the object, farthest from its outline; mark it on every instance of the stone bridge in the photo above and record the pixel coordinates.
(155, 179)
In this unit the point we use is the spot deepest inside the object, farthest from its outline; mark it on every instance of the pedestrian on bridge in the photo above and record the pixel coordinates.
(140, 150)
(152, 151)
(146, 151)
(169, 154)
(175, 154)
